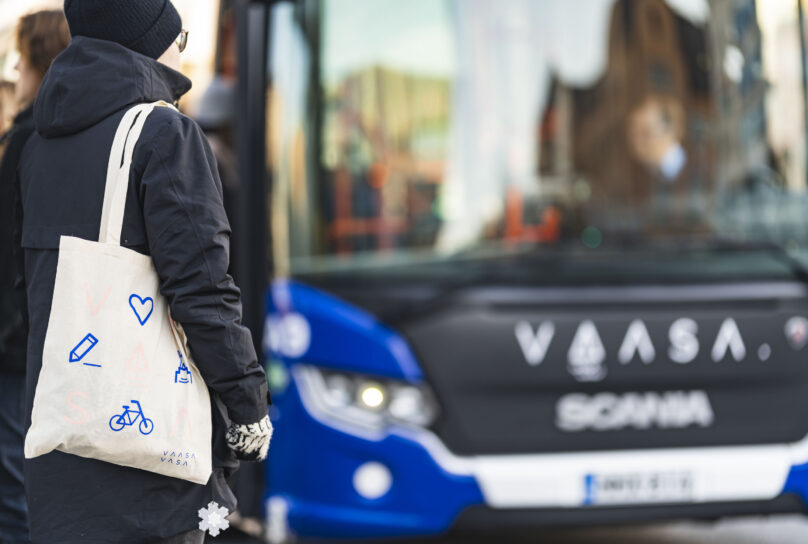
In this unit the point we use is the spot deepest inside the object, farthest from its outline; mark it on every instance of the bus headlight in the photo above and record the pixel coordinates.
(372, 396)
(371, 402)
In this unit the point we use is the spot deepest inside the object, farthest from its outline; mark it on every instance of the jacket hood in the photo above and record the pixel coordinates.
(92, 79)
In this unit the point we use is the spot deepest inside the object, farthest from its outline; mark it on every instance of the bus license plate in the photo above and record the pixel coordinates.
(638, 487)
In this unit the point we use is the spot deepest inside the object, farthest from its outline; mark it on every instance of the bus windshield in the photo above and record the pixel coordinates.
(614, 132)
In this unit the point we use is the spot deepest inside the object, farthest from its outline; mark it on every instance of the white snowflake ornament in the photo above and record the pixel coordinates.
(213, 518)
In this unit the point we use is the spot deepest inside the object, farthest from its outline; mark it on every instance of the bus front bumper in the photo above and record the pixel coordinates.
(331, 481)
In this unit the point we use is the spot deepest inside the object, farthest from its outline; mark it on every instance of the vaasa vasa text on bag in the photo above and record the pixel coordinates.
(178, 458)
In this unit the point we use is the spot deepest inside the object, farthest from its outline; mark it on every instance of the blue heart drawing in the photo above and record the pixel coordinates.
(140, 308)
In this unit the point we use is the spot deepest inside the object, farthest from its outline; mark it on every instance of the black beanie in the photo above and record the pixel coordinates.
(146, 26)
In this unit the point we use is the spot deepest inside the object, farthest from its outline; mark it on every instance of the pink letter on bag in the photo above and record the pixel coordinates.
(70, 404)
(95, 309)
(183, 414)
(136, 367)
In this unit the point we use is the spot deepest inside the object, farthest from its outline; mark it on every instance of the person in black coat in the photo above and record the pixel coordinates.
(40, 37)
(173, 213)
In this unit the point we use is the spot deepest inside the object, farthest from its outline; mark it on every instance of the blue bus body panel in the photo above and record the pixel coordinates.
(797, 481)
(341, 336)
(313, 465)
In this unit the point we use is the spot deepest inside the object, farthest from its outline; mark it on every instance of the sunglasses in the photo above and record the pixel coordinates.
(182, 40)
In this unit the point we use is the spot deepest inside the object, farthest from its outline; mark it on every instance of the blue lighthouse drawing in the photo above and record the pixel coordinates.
(183, 373)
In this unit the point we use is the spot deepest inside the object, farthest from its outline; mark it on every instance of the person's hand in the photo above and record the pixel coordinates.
(250, 442)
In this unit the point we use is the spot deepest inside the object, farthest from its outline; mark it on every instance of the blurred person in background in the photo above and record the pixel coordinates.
(656, 131)
(40, 37)
(125, 53)
(656, 140)
(8, 109)
(216, 114)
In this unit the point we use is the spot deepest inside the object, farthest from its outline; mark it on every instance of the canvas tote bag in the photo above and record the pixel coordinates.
(117, 382)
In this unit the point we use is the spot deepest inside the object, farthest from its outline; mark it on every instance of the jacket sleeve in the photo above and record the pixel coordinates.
(189, 240)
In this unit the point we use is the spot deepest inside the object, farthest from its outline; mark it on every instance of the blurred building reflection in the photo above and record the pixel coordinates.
(385, 141)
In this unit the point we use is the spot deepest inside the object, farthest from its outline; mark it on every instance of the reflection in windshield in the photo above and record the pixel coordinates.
(440, 126)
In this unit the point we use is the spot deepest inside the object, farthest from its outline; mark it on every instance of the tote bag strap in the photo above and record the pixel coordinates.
(117, 185)
(120, 162)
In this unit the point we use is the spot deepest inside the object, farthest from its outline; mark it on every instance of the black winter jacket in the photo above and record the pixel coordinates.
(173, 213)
(13, 337)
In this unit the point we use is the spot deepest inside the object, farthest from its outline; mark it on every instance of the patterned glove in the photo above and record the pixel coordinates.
(250, 442)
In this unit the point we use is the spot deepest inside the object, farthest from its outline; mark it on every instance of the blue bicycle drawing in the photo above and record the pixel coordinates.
(129, 417)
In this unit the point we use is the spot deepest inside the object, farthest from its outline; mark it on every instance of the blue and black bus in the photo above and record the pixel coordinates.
(535, 263)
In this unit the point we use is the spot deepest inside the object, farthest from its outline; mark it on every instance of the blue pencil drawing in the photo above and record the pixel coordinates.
(129, 417)
(83, 348)
(91, 364)
(183, 373)
(143, 307)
